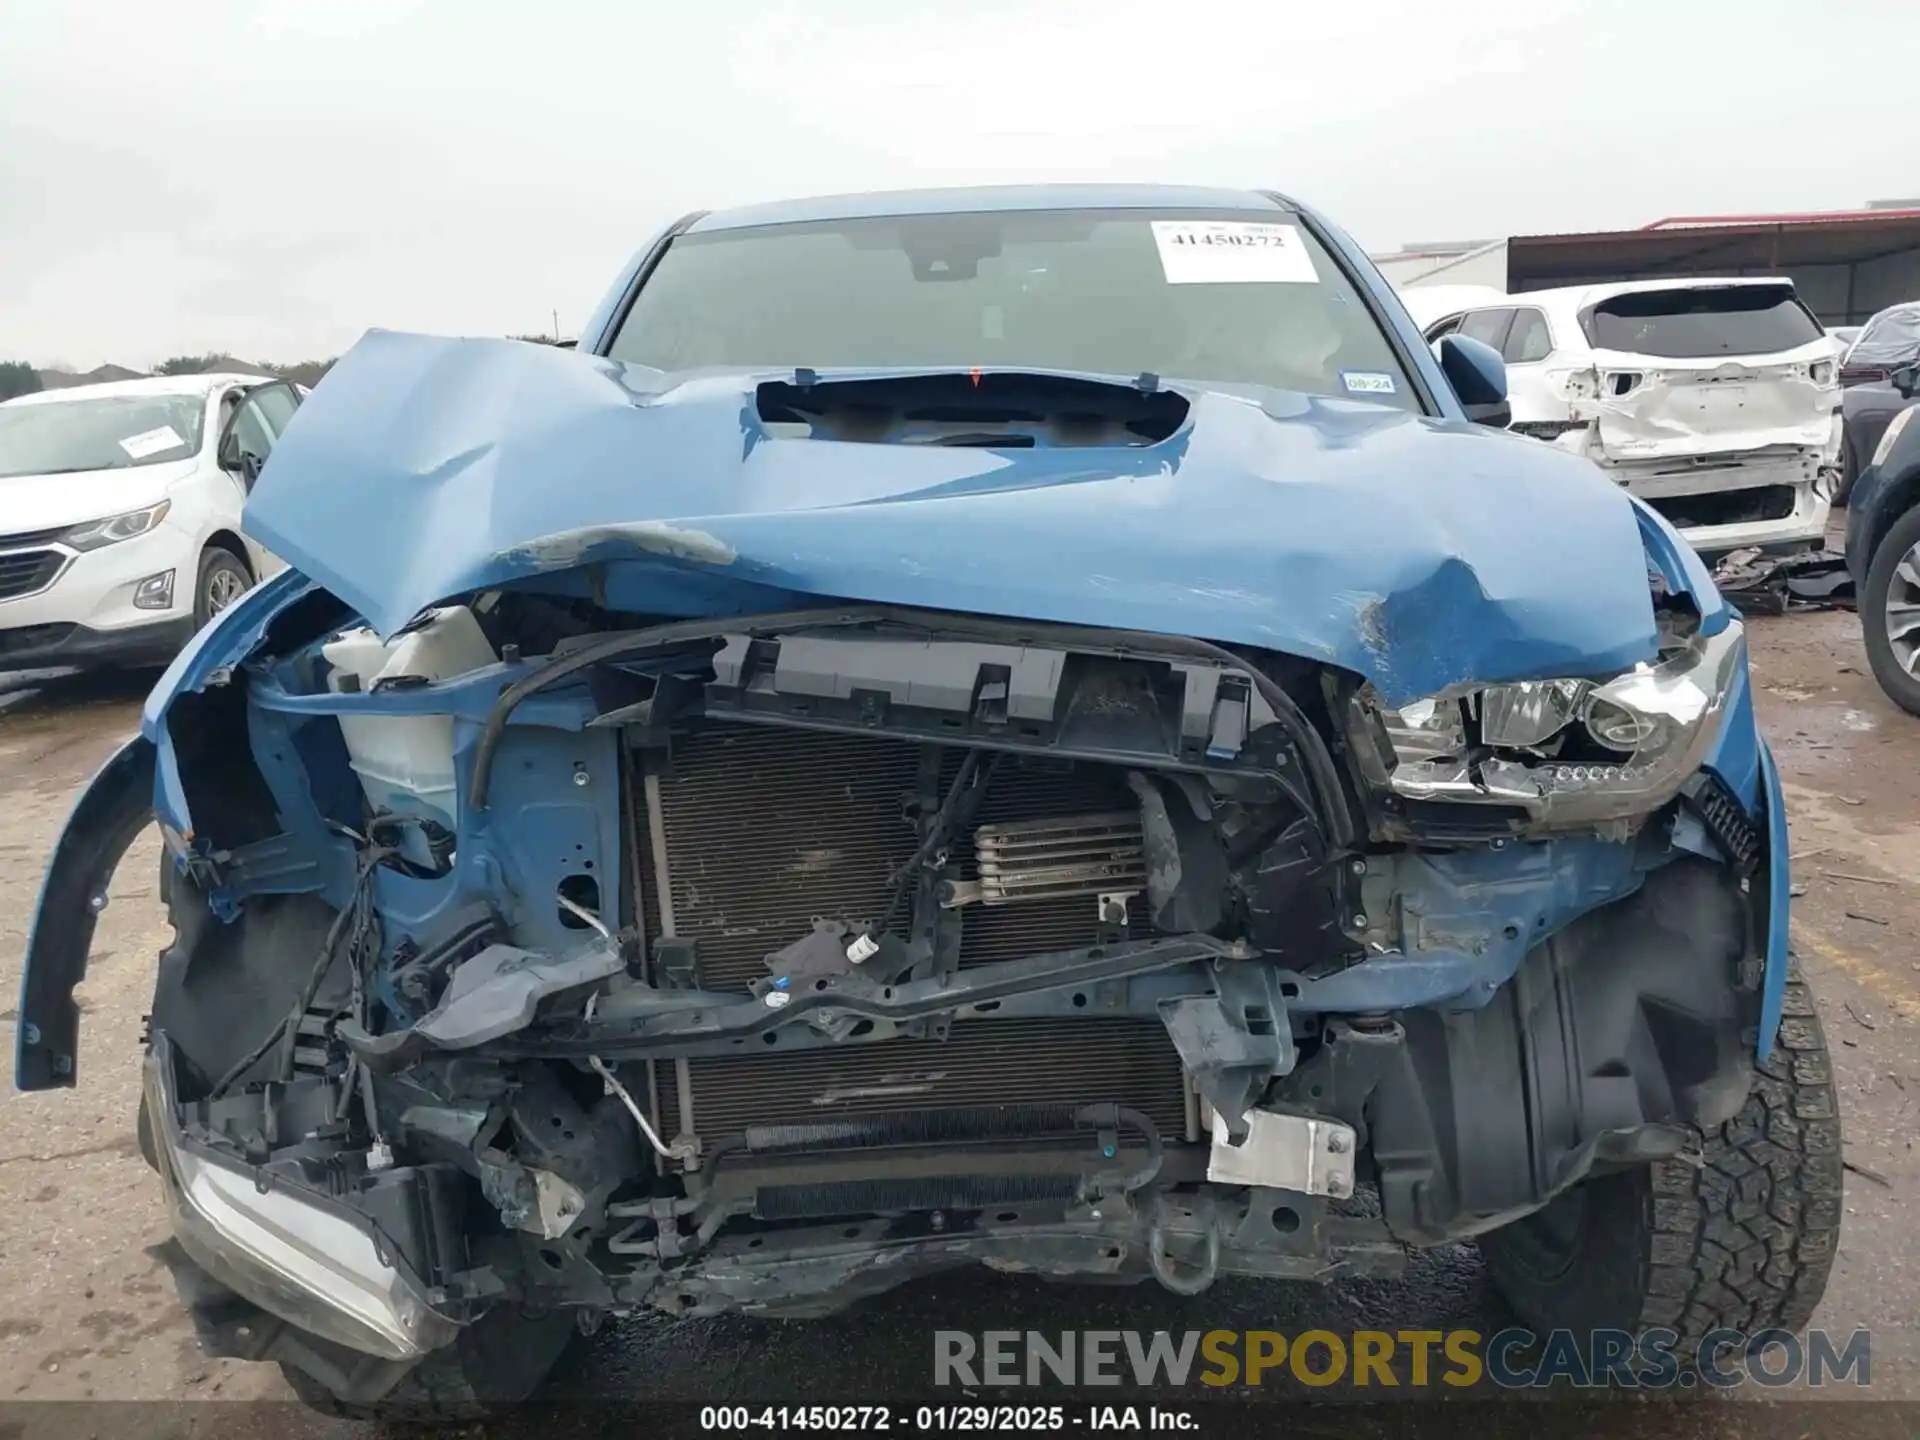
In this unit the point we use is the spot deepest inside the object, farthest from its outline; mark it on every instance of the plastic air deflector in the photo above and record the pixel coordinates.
(925, 1127)
(918, 1193)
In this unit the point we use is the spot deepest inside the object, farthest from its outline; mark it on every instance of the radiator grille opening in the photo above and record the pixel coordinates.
(767, 828)
(1034, 791)
(982, 1062)
(27, 571)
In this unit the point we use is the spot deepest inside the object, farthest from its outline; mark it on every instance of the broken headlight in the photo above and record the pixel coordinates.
(1565, 751)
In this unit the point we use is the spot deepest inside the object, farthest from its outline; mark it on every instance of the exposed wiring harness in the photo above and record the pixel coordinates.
(356, 925)
(962, 800)
(605, 1071)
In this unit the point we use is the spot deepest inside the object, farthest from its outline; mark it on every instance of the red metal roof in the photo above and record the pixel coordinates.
(1801, 217)
(1713, 245)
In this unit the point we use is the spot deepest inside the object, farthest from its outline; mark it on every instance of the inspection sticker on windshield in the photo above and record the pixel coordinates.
(1232, 252)
(151, 442)
(1367, 382)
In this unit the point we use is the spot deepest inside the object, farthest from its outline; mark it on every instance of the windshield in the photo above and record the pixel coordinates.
(1684, 324)
(1219, 297)
(58, 437)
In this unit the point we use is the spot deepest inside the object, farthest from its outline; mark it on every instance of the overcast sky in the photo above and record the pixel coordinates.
(271, 177)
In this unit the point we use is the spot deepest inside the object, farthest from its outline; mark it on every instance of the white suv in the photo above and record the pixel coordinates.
(1715, 401)
(120, 514)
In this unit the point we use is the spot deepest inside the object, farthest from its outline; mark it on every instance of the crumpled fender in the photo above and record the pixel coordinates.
(139, 784)
(207, 659)
(1680, 567)
(114, 808)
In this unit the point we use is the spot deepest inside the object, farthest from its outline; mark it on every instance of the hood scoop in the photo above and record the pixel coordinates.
(984, 409)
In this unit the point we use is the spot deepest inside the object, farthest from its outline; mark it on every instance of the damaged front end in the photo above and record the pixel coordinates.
(543, 953)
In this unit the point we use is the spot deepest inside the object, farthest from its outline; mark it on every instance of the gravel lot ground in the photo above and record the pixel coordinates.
(85, 1311)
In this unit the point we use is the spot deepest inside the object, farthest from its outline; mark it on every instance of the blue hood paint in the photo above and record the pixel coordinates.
(1421, 553)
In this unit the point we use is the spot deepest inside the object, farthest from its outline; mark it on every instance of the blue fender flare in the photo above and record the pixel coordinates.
(1779, 893)
(109, 815)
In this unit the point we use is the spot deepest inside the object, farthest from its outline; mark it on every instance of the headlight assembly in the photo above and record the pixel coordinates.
(115, 528)
(1565, 751)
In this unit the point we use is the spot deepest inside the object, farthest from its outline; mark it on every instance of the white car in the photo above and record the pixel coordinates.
(1430, 304)
(1715, 401)
(120, 514)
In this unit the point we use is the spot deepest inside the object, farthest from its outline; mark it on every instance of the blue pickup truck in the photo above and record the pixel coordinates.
(1039, 727)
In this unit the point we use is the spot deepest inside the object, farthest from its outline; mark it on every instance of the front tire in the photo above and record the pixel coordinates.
(222, 579)
(1849, 472)
(1893, 582)
(1742, 1240)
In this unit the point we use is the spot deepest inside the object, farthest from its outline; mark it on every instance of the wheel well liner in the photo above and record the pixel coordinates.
(1615, 1038)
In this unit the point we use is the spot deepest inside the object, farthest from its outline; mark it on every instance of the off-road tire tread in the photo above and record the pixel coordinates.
(1740, 1236)
(1747, 1239)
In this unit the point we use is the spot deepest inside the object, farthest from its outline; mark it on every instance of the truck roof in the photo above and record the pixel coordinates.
(975, 199)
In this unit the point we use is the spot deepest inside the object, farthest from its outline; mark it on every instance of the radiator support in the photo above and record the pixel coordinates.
(753, 831)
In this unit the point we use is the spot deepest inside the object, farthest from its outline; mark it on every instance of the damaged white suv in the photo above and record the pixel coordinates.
(1715, 401)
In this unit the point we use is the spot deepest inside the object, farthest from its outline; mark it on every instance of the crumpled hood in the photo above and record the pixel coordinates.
(1420, 553)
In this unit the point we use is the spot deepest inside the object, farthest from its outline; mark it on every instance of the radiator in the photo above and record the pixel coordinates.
(765, 828)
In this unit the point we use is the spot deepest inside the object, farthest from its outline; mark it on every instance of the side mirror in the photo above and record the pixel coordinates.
(1478, 376)
(1906, 380)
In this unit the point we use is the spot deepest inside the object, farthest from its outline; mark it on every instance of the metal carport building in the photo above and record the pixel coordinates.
(1846, 264)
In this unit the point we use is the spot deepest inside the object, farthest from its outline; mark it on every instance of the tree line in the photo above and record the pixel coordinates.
(17, 377)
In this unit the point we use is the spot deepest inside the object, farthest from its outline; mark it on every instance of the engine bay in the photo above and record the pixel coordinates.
(613, 967)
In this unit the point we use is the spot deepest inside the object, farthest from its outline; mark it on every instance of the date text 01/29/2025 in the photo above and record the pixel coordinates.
(934, 1419)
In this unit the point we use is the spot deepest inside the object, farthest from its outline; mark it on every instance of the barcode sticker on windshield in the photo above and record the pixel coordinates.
(151, 442)
(1232, 252)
